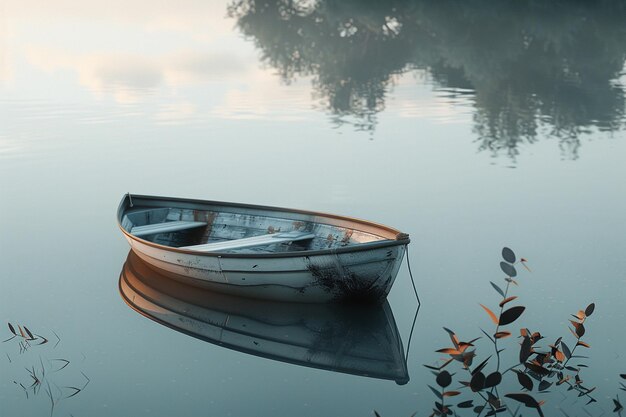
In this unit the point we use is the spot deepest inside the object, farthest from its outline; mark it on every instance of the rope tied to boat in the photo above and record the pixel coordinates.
(408, 264)
(419, 303)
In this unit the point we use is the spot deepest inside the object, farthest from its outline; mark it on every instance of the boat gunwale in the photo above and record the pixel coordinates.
(401, 238)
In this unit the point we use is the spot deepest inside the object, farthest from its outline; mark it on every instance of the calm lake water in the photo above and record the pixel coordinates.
(470, 125)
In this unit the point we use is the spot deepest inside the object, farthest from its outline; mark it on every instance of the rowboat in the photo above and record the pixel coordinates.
(356, 339)
(263, 252)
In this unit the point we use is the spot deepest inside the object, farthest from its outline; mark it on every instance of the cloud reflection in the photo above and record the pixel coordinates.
(4, 53)
(132, 75)
(515, 71)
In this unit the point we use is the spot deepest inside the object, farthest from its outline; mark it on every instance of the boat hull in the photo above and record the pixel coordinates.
(362, 276)
(364, 272)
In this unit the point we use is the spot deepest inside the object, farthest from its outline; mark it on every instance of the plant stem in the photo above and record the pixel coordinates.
(495, 339)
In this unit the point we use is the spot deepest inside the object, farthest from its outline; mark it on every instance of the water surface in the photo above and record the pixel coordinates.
(471, 126)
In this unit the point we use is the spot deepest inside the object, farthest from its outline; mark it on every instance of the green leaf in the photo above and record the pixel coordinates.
(495, 287)
(525, 399)
(478, 382)
(435, 391)
(524, 380)
(508, 255)
(493, 379)
(508, 269)
(444, 379)
(566, 351)
(510, 315)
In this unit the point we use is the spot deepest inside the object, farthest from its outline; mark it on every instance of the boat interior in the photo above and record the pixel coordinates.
(243, 231)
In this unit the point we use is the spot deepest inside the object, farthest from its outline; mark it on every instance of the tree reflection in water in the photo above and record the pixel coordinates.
(533, 66)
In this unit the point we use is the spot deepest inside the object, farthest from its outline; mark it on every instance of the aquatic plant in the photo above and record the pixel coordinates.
(616, 401)
(535, 370)
(42, 374)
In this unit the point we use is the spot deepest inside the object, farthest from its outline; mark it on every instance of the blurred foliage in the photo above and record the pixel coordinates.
(531, 65)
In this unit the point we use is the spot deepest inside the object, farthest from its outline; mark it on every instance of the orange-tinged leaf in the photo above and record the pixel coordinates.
(559, 356)
(583, 344)
(502, 335)
(506, 300)
(494, 318)
(451, 393)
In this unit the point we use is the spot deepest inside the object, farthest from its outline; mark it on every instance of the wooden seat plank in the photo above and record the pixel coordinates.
(249, 242)
(166, 227)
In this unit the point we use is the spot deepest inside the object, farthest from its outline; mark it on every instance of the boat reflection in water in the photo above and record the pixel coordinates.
(353, 339)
